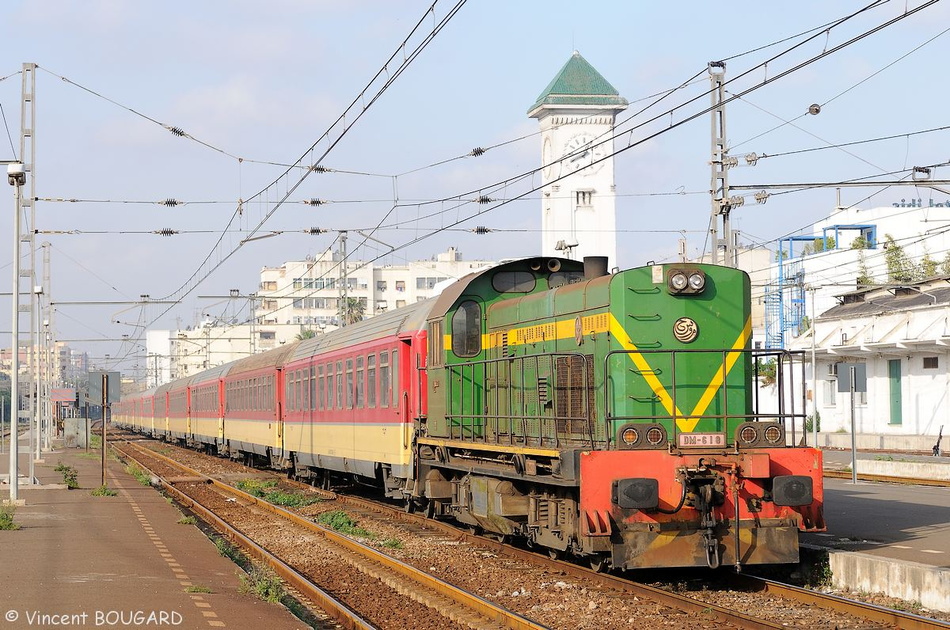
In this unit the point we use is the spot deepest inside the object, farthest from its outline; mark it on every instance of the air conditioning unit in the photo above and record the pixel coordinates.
(832, 369)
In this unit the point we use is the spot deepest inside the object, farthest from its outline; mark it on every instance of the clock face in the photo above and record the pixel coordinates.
(581, 151)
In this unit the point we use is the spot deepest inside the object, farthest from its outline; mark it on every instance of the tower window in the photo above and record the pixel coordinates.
(584, 197)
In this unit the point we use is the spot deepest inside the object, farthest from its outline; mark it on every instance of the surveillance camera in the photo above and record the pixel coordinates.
(16, 174)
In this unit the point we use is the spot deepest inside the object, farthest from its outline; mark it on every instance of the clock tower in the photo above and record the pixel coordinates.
(576, 112)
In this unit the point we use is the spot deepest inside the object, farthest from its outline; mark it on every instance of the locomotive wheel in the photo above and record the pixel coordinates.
(598, 563)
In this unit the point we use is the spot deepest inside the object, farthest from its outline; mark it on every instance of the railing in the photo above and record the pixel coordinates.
(542, 400)
(776, 366)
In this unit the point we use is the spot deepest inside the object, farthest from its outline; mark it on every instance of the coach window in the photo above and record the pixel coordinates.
(339, 384)
(305, 385)
(467, 329)
(321, 388)
(395, 379)
(313, 387)
(371, 381)
(349, 383)
(359, 382)
(383, 379)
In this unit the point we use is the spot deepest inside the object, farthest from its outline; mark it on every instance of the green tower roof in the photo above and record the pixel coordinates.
(578, 83)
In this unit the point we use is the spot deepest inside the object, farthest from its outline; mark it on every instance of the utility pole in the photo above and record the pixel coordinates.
(16, 176)
(27, 156)
(343, 279)
(720, 164)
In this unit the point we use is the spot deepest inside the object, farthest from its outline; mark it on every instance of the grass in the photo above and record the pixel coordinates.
(230, 552)
(263, 583)
(6, 518)
(104, 491)
(140, 475)
(268, 491)
(392, 543)
(90, 455)
(187, 520)
(198, 589)
(70, 475)
(340, 521)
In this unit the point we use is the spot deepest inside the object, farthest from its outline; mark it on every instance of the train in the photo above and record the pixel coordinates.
(615, 418)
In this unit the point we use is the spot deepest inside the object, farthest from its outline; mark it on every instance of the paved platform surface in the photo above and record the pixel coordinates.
(116, 562)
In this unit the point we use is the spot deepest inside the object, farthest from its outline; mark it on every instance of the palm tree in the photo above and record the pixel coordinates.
(354, 310)
(309, 333)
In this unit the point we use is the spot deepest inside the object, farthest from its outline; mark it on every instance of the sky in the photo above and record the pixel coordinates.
(210, 103)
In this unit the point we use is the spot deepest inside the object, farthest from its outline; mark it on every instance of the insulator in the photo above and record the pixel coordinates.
(483, 199)
(166, 232)
(317, 168)
(177, 131)
(314, 231)
(761, 196)
(315, 202)
(481, 229)
(751, 159)
(170, 202)
(736, 201)
(477, 152)
(729, 162)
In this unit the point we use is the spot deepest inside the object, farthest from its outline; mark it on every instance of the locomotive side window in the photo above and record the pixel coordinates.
(513, 282)
(383, 379)
(371, 381)
(436, 345)
(467, 329)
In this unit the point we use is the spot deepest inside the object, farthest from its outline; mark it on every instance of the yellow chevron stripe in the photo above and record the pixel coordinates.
(640, 361)
(720, 377)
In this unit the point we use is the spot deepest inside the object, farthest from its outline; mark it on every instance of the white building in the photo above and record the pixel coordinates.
(576, 113)
(896, 330)
(297, 297)
(306, 294)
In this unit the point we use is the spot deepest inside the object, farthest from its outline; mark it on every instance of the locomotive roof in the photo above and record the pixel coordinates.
(401, 320)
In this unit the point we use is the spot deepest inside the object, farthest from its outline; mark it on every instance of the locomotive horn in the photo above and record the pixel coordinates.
(554, 265)
(535, 265)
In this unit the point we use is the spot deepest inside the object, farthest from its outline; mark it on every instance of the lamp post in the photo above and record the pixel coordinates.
(16, 176)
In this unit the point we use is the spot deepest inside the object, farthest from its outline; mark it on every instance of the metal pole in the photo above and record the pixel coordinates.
(3, 421)
(37, 385)
(854, 448)
(105, 403)
(15, 345)
(814, 368)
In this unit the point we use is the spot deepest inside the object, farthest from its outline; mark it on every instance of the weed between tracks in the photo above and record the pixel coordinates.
(268, 491)
(264, 583)
(104, 491)
(140, 475)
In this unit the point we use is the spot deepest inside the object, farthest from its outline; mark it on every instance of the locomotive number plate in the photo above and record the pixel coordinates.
(701, 439)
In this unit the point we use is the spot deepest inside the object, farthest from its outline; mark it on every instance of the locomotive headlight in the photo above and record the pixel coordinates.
(792, 490)
(678, 281)
(697, 281)
(630, 436)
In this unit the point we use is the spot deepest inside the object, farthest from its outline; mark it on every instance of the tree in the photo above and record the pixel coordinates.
(928, 266)
(355, 310)
(864, 275)
(945, 265)
(309, 333)
(899, 267)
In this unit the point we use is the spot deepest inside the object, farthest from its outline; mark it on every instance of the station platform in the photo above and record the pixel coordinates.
(886, 538)
(121, 561)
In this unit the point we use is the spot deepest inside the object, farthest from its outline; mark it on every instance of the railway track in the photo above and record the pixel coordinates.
(764, 594)
(442, 604)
